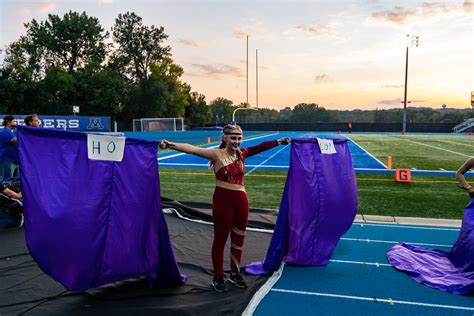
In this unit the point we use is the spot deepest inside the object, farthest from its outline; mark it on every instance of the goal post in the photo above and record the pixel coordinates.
(158, 124)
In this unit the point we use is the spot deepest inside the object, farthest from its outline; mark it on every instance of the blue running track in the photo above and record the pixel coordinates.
(359, 280)
(277, 158)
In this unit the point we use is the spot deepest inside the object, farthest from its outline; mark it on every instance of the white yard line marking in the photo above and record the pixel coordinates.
(375, 300)
(373, 157)
(439, 148)
(215, 146)
(256, 167)
(457, 144)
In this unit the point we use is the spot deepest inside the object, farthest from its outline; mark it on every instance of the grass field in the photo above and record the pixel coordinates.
(422, 152)
(426, 196)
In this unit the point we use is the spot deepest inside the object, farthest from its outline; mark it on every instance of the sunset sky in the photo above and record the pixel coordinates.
(339, 54)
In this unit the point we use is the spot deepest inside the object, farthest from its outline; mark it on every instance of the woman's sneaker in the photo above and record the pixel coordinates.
(219, 284)
(237, 279)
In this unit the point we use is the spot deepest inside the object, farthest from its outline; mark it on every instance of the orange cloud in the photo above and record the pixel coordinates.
(397, 15)
(188, 42)
(312, 29)
(393, 102)
(214, 71)
(400, 15)
(390, 86)
(239, 34)
(322, 78)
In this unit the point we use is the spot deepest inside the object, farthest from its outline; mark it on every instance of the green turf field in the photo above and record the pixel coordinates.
(422, 152)
(426, 196)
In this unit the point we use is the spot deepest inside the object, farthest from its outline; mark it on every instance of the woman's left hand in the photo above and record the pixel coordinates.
(284, 141)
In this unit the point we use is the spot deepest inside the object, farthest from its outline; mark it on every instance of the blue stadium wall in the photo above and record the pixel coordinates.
(70, 123)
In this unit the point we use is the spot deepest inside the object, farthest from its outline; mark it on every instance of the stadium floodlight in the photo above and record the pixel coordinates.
(411, 41)
(158, 124)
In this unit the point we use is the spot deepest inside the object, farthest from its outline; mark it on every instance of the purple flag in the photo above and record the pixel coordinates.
(447, 271)
(318, 206)
(91, 222)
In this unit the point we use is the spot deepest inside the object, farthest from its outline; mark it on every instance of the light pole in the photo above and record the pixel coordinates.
(411, 41)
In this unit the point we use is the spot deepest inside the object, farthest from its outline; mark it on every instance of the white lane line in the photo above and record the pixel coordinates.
(375, 300)
(439, 148)
(373, 157)
(395, 242)
(377, 264)
(405, 226)
(256, 167)
(215, 146)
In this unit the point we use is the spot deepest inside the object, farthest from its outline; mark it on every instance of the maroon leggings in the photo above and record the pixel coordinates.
(230, 211)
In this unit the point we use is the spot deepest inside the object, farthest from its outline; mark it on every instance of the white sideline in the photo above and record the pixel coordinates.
(373, 157)
(263, 162)
(375, 300)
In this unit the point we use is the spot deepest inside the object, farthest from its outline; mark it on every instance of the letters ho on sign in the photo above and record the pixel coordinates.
(108, 148)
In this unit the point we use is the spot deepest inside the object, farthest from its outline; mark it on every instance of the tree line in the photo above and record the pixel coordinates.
(127, 72)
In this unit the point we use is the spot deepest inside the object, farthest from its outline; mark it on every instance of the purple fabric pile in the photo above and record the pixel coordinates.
(318, 206)
(92, 222)
(447, 271)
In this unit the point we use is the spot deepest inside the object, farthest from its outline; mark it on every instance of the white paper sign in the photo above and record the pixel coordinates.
(101, 147)
(326, 146)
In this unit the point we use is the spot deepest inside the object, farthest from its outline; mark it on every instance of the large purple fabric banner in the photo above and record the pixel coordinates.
(91, 222)
(318, 206)
(447, 271)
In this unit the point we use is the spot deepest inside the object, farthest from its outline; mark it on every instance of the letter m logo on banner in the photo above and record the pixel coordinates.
(95, 123)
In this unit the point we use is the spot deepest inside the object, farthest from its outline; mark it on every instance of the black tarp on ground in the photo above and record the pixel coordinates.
(26, 290)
